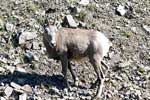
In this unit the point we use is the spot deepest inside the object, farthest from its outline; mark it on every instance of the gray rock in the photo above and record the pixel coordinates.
(11, 68)
(55, 90)
(125, 85)
(17, 61)
(36, 57)
(84, 2)
(27, 88)
(118, 77)
(124, 64)
(138, 92)
(146, 28)
(82, 24)
(20, 70)
(137, 78)
(23, 96)
(134, 29)
(3, 60)
(111, 54)
(10, 27)
(27, 36)
(2, 69)
(70, 21)
(2, 98)
(121, 10)
(15, 85)
(8, 91)
(66, 91)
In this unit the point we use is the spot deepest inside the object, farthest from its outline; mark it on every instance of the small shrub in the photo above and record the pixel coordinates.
(91, 7)
(81, 15)
(127, 34)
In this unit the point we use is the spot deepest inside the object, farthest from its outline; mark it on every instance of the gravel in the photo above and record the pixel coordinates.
(26, 72)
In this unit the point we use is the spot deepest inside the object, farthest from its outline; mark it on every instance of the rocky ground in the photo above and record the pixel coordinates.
(26, 73)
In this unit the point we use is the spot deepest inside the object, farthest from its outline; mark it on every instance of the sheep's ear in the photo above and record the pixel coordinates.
(46, 21)
(56, 23)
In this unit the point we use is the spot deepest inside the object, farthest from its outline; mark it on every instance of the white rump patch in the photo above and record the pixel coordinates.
(105, 43)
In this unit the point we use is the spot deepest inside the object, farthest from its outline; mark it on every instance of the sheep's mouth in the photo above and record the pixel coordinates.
(52, 45)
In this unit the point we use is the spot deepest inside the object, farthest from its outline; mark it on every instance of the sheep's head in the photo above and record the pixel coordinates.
(50, 34)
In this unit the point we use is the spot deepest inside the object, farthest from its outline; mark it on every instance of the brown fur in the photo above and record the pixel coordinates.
(76, 44)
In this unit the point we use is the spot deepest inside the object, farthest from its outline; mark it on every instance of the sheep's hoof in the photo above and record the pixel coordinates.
(76, 82)
(96, 98)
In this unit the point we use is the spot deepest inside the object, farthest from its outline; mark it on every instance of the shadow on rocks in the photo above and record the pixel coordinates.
(33, 79)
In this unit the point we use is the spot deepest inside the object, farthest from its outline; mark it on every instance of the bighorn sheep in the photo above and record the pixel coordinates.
(65, 44)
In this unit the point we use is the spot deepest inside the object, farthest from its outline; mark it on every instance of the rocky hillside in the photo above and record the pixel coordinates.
(26, 72)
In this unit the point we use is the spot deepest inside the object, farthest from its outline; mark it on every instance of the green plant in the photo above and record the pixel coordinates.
(71, 1)
(91, 7)
(81, 15)
(93, 25)
(127, 34)
(41, 20)
(32, 7)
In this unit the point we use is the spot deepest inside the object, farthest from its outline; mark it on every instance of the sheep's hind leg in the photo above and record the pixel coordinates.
(96, 82)
(100, 77)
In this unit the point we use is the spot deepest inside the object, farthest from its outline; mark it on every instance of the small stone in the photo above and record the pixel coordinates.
(15, 85)
(111, 54)
(19, 91)
(36, 57)
(23, 96)
(11, 68)
(55, 90)
(121, 10)
(138, 92)
(118, 77)
(22, 70)
(8, 91)
(137, 78)
(10, 27)
(27, 88)
(84, 2)
(125, 85)
(134, 29)
(124, 64)
(109, 95)
(2, 69)
(17, 61)
(146, 28)
(66, 91)
(2, 98)
(35, 45)
(3, 60)
(82, 24)
(70, 21)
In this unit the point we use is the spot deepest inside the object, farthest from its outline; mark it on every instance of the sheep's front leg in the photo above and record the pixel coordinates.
(73, 74)
(64, 62)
